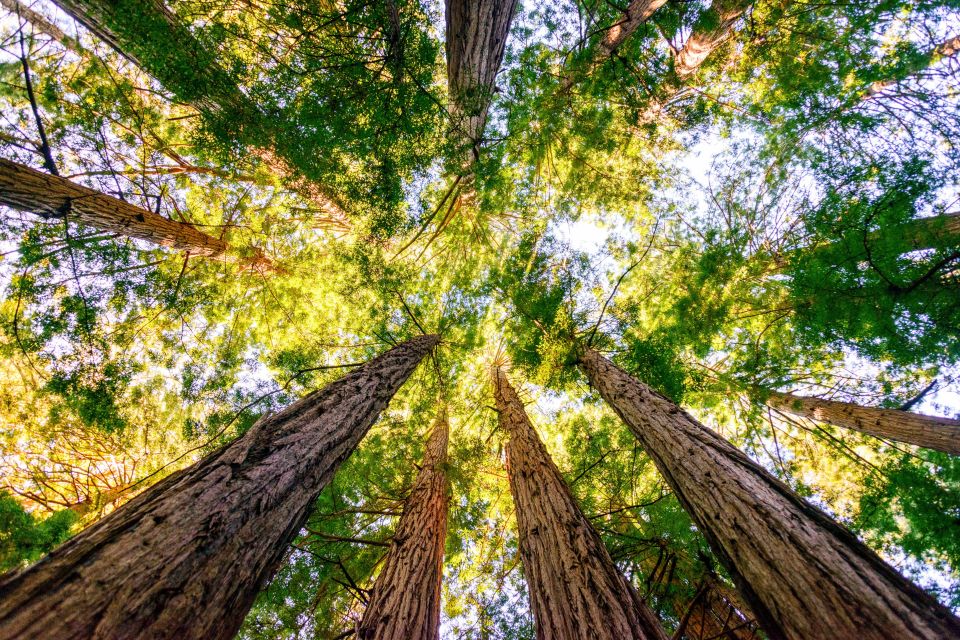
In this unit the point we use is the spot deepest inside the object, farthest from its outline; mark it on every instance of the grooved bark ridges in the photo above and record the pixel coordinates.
(942, 434)
(405, 600)
(803, 575)
(477, 33)
(27, 189)
(576, 591)
(186, 558)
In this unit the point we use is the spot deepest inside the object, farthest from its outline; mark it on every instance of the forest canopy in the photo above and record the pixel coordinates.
(503, 302)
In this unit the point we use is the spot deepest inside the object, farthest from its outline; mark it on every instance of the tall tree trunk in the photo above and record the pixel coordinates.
(637, 13)
(575, 588)
(186, 558)
(931, 432)
(152, 37)
(711, 30)
(405, 602)
(803, 575)
(50, 196)
(477, 33)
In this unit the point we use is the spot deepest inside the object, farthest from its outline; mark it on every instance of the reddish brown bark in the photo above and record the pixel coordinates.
(477, 33)
(186, 558)
(931, 432)
(802, 574)
(405, 601)
(576, 591)
(50, 196)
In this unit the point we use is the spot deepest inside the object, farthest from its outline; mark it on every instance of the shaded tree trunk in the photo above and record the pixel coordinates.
(50, 196)
(477, 33)
(802, 574)
(931, 432)
(576, 591)
(152, 37)
(716, 613)
(405, 601)
(711, 30)
(186, 558)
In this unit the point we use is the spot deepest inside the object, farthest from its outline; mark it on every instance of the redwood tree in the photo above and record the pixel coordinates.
(51, 196)
(803, 575)
(576, 591)
(186, 558)
(476, 38)
(931, 432)
(405, 601)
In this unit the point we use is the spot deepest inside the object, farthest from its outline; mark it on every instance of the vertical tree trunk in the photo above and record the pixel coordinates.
(803, 575)
(50, 196)
(405, 602)
(931, 432)
(711, 31)
(477, 33)
(716, 613)
(576, 591)
(186, 558)
(948, 48)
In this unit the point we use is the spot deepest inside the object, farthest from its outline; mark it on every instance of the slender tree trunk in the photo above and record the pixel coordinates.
(50, 196)
(477, 33)
(948, 48)
(714, 613)
(186, 558)
(803, 575)
(711, 31)
(153, 38)
(405, 602)
(931, 432)
(576, 591)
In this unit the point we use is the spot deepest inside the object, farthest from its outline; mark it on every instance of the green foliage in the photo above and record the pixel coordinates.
(24, 538)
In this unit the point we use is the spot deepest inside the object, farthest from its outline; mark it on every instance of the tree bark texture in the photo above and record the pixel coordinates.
(477, 33)
(637, 13)
(802, 574)
(711, 31)
(49, 196)
(931, 432)
(186, 558)
(405, 601)
(576, 591)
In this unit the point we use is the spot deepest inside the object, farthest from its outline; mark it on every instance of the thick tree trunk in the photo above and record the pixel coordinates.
(637, 13)
(575, 588)
(803, 575)
(931, 432)
(711, 31)
(50, 196)
(405, 601)
(477, 33)
(152, 37)
(186, 558)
